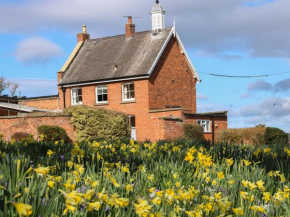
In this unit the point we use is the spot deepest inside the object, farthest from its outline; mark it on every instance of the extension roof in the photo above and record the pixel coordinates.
(95, 60)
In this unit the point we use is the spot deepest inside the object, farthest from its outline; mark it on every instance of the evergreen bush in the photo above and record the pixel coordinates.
(52, 133)
(193, 131)
(93, 124)
(275, 136)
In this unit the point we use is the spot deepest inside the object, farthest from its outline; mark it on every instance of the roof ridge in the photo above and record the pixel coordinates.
(115, 36)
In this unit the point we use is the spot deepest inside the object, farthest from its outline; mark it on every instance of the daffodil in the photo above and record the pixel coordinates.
(69, 208)
(49, 153)
(51, 184)
(156, 201)
(94, 206)
(23, 209)
(238, 211)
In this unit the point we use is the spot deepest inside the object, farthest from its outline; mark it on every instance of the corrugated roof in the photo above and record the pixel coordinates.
(134, 57)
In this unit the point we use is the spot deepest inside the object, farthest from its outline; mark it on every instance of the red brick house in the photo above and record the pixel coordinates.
(147, 75)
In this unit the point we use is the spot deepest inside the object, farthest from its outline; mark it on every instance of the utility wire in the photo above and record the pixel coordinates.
(243, 76)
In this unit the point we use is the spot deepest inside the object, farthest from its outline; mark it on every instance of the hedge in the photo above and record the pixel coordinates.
(247, 136)
(259, 135)
(275, 136)
(91, 123)
(193, 131)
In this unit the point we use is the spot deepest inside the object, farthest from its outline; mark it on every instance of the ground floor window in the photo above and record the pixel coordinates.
(76, 96)
(206, 125)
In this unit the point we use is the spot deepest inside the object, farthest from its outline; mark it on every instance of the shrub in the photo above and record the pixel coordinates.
(247, 136)
(19, 136)
(275, 136)
(91, 123)
(52, 133)
(193, 131)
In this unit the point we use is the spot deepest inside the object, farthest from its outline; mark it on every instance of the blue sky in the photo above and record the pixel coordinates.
(233, 37)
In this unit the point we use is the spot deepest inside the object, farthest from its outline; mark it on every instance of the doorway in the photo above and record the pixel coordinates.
(133, 126)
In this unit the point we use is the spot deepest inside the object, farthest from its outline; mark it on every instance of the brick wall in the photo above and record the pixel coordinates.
(158, 127)
(173, 129)
(172, 82)
(9, 126)
(42, 103)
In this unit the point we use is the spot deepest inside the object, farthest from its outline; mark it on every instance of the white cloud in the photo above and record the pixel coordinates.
(201, 96)
(222, 25)
(246, 96)
(33, 87)
(37, 51)
(259, 85)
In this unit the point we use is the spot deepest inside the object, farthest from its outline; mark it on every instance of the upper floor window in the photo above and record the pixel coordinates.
(205, 125)
(102, 93)
(128, 92)
(76, 96)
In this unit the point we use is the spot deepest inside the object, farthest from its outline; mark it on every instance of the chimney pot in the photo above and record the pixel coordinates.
(130, 19)
(84, 29)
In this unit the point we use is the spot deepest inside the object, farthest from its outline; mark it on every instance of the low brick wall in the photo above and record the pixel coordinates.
(173, 129)
(11, 125)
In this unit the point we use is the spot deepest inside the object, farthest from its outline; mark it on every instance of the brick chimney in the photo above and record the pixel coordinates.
(130, 28)
(84, 35)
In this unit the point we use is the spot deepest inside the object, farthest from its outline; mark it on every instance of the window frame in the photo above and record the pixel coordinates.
(123, 93)
(200, 122)
(96, 90)
(77, 103)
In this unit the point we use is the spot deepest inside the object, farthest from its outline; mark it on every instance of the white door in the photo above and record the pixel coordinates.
(133, 133)
(133, 127)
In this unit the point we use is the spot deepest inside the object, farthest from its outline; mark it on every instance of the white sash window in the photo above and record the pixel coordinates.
(128, 92)
(101, 93)
(76, 96)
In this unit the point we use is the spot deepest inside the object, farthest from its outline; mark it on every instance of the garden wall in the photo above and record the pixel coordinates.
(48, 103)
(11, 125)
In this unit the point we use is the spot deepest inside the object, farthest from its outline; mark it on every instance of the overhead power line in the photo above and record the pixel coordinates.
(243, 76)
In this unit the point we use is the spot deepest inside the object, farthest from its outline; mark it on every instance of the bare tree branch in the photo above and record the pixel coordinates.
(3, 84)
(12, 87)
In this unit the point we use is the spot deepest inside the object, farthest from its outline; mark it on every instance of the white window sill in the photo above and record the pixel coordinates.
(128, 101)
(101, 103)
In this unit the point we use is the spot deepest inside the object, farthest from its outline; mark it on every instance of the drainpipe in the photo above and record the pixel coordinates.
(213, 127)
(63, 92)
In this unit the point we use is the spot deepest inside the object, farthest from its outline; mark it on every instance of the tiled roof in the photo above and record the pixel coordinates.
(97, 57)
